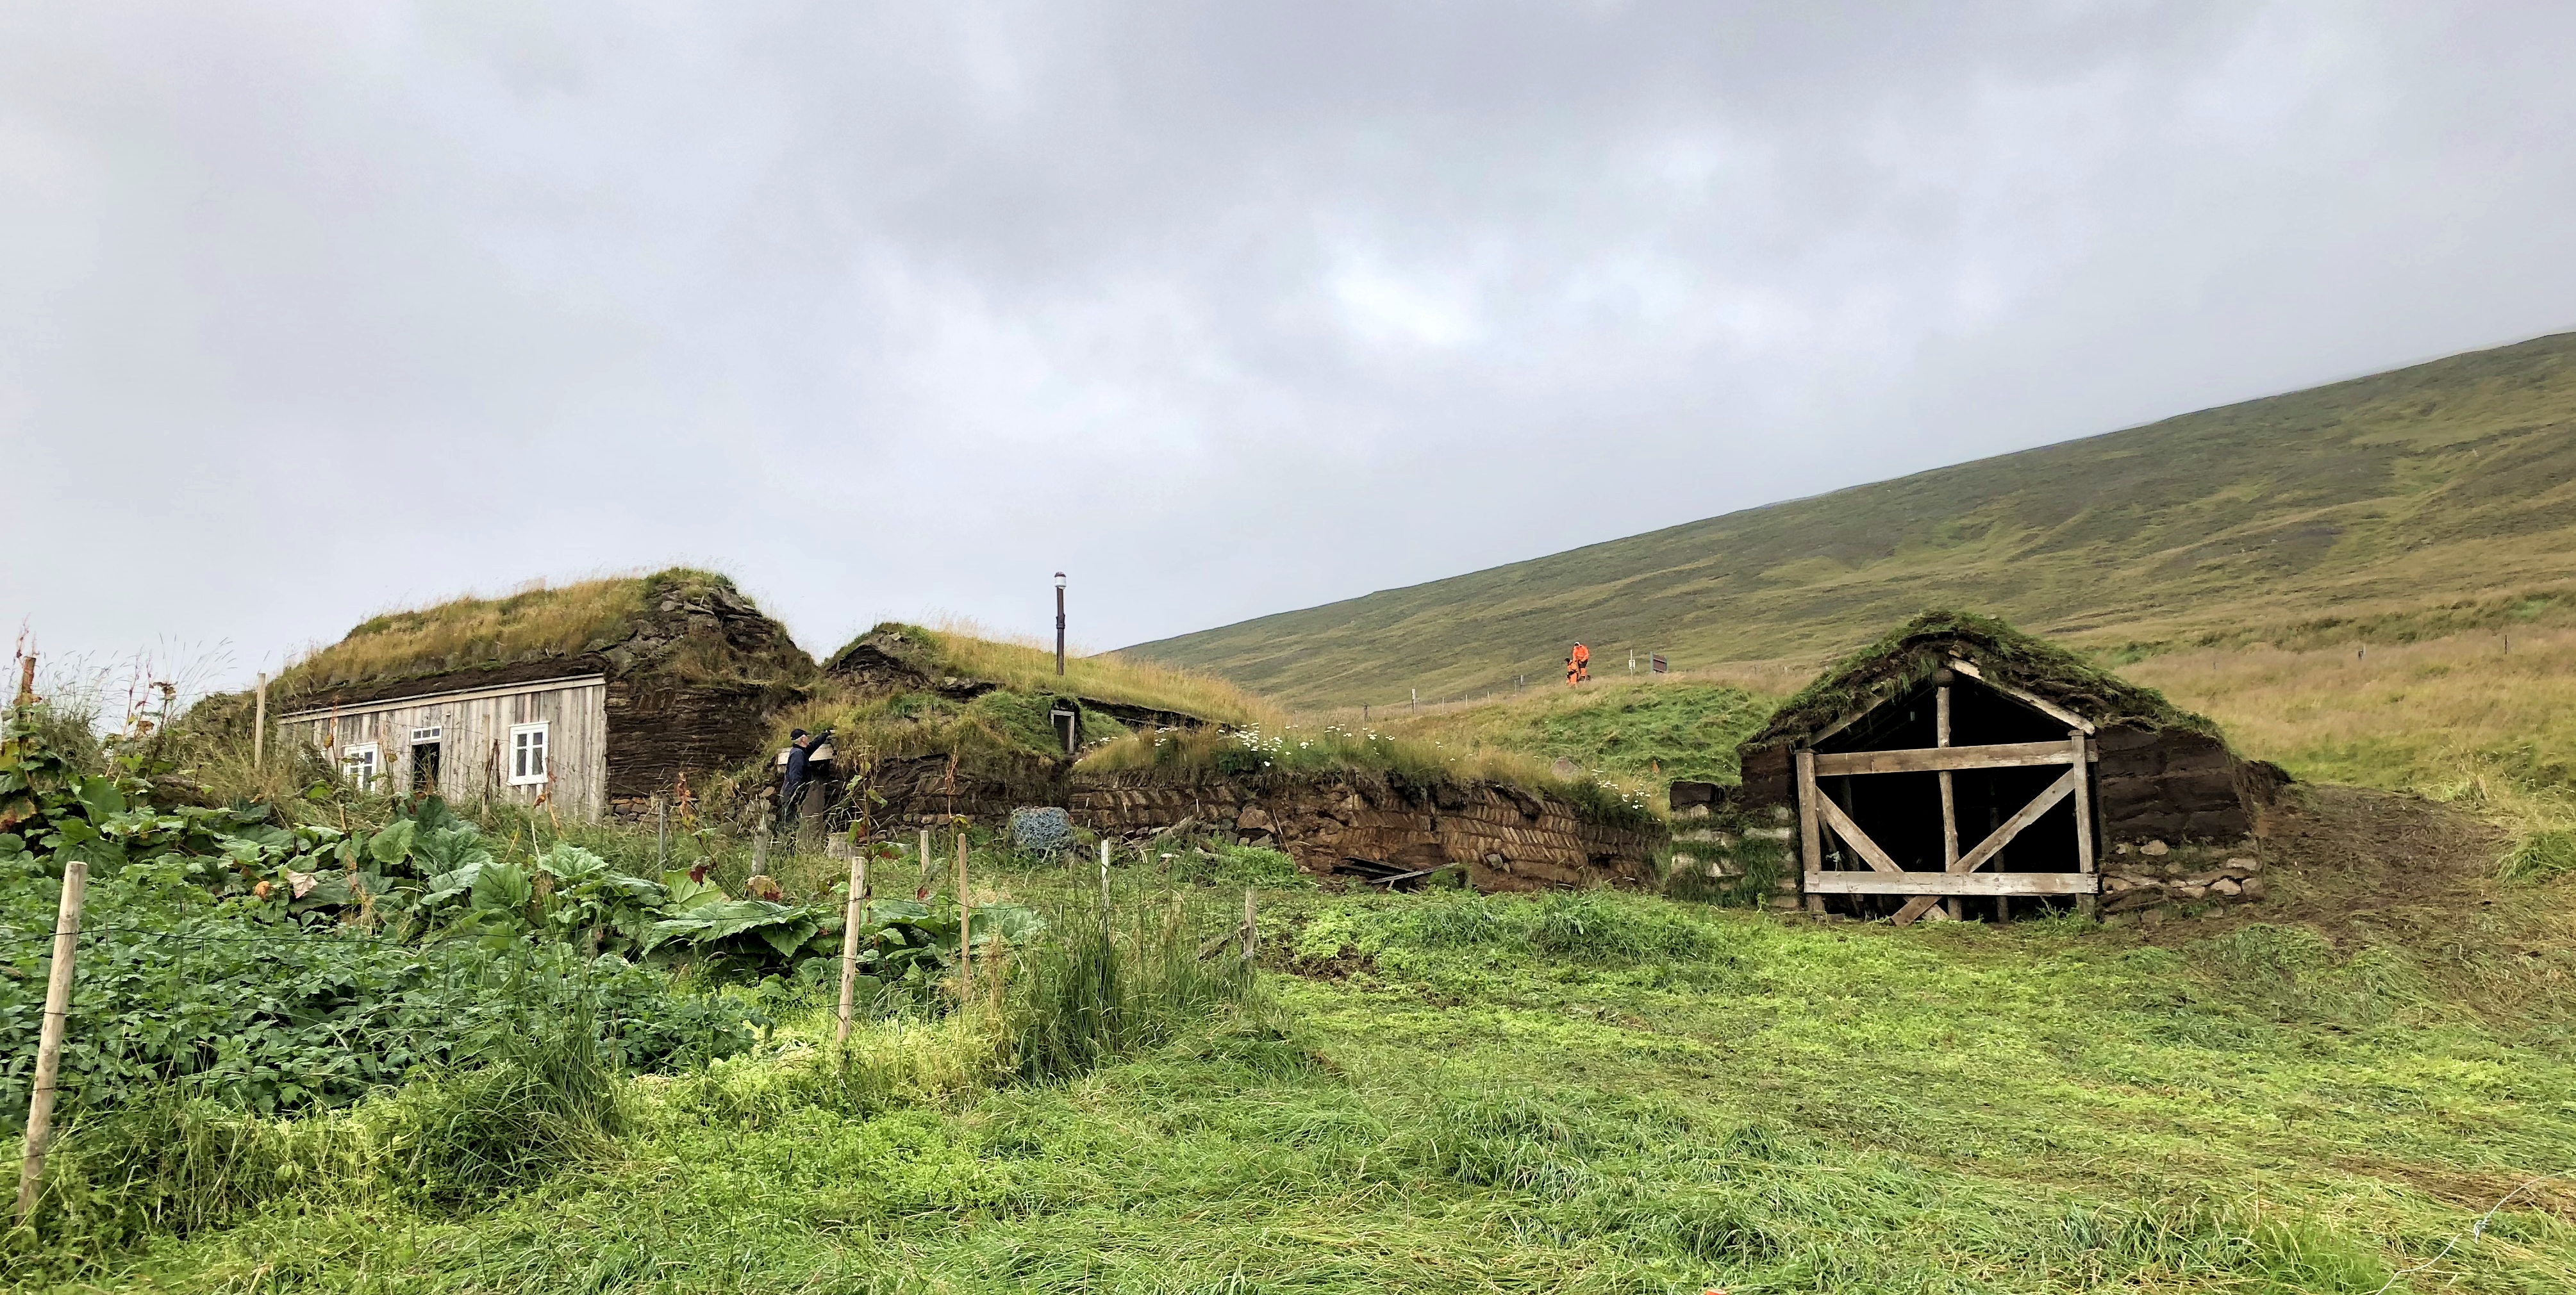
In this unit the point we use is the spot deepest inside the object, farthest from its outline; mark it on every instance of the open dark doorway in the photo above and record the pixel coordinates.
(424, 768)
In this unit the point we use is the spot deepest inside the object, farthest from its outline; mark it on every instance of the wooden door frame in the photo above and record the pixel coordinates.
(1962, 876)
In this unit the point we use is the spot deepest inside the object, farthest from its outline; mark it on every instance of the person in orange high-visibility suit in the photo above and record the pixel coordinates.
(1578, 665)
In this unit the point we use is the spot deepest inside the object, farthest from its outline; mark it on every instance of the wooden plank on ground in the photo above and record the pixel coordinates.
(2029, 814)
(2002, 755)
(1917, 907)
(1953, 883)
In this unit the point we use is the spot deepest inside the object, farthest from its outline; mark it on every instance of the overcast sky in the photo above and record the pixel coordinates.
(312, 310)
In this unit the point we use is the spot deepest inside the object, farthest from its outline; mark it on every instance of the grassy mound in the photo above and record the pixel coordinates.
(1647, 730)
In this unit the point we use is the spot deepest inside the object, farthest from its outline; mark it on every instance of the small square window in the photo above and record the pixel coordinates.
(359, 765)
(527, 754)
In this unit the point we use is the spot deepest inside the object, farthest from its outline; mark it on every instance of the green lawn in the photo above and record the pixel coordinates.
(1603, 1092)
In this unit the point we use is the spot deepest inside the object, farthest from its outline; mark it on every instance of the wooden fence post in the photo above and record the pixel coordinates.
(965, 924)
(259, 725)
(1250, 930)
(661, 834)
(850, 939)
(1104, 883)
(49, 1039)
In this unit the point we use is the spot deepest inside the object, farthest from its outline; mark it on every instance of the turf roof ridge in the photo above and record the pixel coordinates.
(1905, 656)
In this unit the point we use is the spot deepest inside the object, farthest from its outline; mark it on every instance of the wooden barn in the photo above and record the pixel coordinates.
(1961, 762)
(592, 698)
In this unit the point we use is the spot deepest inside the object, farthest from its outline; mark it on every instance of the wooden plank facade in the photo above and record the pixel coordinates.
(515, 742)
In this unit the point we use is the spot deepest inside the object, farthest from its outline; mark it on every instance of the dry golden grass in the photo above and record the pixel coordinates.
(1028, 665)
(471, 631)
(2458, 718)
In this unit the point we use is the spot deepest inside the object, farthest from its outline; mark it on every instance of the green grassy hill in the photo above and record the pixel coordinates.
(2424, 498)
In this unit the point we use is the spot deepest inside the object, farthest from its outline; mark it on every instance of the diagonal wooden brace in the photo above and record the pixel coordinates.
(1995, 842)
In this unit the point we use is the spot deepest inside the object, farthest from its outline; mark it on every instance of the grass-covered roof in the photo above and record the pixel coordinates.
(899, 656)
(1902, 660)
(694, 624)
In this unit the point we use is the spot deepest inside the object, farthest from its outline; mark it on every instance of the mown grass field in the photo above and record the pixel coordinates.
(1601, 1093)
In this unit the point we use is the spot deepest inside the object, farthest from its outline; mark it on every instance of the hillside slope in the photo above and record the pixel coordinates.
(2423, 486)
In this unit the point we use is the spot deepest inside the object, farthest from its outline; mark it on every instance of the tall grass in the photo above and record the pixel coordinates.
(539, 1092)
(540, 1095)
(1102, 988)
(2486, 720)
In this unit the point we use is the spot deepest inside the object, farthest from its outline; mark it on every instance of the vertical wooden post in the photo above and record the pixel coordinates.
(2087, 903)
(1949, 797)
(965, 924)
(1250, 929)
(1811, 848)
(661, 833)
(49, 1037)
(850, 939)
(259, 724)
(921, 888)
(760, 847)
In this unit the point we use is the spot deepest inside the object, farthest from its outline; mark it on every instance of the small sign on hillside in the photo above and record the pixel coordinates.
(1659, 666)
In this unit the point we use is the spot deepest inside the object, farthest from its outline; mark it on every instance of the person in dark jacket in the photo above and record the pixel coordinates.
(800, 753)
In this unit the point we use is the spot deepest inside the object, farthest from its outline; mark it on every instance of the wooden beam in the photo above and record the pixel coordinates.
(2028, 815)
(2005, 755)
(1810, 844)
(1935, 884)
(1845, 722)
(2040, 704)
(1857, 839)
(1949, 795)
(1916, 907)
(2083, 815)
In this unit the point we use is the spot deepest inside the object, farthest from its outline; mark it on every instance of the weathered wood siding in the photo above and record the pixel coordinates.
(474, 740)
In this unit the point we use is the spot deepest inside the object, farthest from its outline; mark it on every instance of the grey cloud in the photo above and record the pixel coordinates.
(1226, 308)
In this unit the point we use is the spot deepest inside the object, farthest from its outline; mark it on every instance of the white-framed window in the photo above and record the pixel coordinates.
(429, 734)
(527, 754)
(360, 765)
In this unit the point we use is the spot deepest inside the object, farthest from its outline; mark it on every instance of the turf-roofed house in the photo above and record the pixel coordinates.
(1958, 762)
(591, 698)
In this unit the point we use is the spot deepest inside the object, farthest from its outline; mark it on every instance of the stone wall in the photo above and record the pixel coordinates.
(660, 728)
(2177, 786)
(1504, 837)
(919, 792)
(1752, 857)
